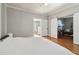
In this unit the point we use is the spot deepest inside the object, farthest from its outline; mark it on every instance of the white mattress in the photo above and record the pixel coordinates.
(31, 46)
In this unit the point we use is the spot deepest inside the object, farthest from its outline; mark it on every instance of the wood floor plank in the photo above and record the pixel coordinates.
(66, 42)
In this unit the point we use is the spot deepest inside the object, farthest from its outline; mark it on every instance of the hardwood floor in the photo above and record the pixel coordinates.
(66, 42)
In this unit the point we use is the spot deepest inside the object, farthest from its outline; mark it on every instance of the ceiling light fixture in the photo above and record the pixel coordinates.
(45, 4)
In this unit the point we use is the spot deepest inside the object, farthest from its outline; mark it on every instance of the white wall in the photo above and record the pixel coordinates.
(19, 23)
(0, 20)
(76, 28)
(54, 27)
(44, 27)
(49, 27)
(3, 20)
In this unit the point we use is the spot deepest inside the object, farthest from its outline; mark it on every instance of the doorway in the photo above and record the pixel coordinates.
(37, 27)
(65, 28)
(40, 27)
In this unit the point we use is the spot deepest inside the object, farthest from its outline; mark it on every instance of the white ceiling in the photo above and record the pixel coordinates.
(38, 8)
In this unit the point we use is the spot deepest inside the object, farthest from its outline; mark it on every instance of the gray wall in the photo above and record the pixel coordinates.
(19, 23)
(3, 20)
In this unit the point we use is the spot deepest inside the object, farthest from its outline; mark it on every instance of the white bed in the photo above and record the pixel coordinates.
(31, 46)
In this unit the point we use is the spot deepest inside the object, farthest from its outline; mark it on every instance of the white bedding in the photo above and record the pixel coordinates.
(31, 45)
